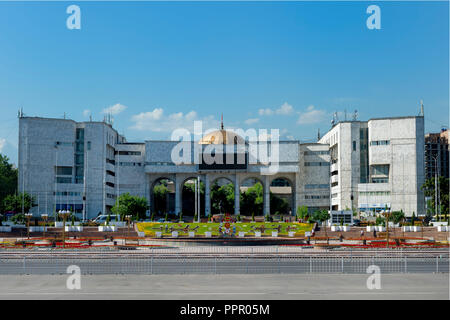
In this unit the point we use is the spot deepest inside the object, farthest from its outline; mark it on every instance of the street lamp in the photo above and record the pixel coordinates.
(28, 216)
(44, 217)
(64, 214)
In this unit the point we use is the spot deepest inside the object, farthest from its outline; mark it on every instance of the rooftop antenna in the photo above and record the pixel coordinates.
(221, 121)
(318, 134)
(64, 115)
(90, 117)
(355, 115)
(345, 114)
(421, 113)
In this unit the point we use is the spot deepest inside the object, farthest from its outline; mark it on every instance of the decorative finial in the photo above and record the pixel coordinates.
(221, 121)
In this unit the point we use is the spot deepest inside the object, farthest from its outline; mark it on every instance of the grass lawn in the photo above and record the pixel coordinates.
(200, 228)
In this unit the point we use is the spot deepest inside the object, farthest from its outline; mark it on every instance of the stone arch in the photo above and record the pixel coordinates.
(245, 208)
(282, 190)
(219, 204)
(188, 199)
(158, 205)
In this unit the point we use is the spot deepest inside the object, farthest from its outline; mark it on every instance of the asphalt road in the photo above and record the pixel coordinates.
(229, 287)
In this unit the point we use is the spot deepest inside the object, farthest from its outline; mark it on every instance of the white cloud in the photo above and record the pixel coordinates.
(312, 115)
(265, 112)
(251, 121)
(285, 109)
(157, 121)
(115, 109)
(2, 143)
(86, 113)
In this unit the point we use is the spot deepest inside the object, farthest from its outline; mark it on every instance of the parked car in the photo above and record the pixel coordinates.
(102, 219)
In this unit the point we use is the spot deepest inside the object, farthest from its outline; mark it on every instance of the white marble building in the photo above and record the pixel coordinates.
(84, 166)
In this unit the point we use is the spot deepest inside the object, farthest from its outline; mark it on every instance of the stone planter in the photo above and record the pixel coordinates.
(380, 228)
(73, 228)
(291, 234)
(258, 234)
(274, 234)
(241, 234)
(406, 228)
(335, 228)
(174, 234)
(5, 229)
(107, 228)
(191, 234)
(370, 228)
(37, 229)
(346, 228)
(60, 224)
(416, 229)
(118, 224)
(207, 234)
(439, 228)
(158, 234)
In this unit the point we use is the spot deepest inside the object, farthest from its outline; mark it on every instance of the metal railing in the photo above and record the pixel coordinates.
(165, 264)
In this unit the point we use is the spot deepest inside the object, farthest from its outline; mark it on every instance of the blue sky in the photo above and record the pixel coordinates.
(158, 65)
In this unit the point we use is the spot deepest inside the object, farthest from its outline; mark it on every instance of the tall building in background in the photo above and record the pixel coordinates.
(377, 164)
(436, 154)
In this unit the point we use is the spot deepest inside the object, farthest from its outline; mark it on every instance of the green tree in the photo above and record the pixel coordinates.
(222, 198)
(429, 190)
(252, 199)
(397, 216)
(14, 202)
(278, 204)
(8, 180)
(160, 193)
(302, 212)
(127, 204)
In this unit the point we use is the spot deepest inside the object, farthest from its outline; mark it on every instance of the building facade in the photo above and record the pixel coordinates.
(85, 166)
(436, 154)
(377, 164)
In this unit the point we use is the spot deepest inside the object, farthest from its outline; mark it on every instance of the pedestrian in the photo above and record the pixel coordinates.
(362, 233)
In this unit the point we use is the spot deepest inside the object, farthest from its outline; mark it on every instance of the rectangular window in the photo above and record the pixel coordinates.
(63, 180)
(129, 153)
(380, 170)
(380, 180)
(63, 171)
(354, 145)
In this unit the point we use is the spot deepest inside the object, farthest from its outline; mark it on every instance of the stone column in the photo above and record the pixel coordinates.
(177, 194)
(207, 196)
(236, 195)
(266, 195)
(296, 191)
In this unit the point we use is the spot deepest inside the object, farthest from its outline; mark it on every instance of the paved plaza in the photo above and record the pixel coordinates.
(260, 287)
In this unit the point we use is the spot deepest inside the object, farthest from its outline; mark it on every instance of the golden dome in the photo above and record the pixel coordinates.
(221, 137)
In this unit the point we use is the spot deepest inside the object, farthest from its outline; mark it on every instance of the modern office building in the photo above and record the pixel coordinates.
(84, 166)
(436, 154)
(377, 164)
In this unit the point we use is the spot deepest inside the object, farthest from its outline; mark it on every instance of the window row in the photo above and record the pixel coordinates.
(380, 143)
